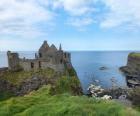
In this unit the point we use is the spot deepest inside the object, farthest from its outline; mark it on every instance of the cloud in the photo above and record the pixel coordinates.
(79, 11)
(112, 13)
(121, 12)
(22, 16)
(25, 17)
(75, 7)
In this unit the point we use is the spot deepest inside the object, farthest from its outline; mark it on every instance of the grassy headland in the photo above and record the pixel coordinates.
(134, 54)
(63, 98)
(42, 103)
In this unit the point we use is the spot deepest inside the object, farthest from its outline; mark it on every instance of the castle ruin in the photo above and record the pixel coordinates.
(47, 57)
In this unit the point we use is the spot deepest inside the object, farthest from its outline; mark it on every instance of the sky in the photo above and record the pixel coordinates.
(76, 24)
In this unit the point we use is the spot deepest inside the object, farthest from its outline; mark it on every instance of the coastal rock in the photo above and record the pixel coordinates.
(103, 68)
(97, 91)
(132, 70)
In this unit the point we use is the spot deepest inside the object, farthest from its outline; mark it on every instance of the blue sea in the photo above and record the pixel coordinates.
(87, 65)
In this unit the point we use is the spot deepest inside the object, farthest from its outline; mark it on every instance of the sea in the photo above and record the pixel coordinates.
(92, 67)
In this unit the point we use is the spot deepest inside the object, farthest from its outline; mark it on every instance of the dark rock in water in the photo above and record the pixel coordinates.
(103, 68)
(132, 70)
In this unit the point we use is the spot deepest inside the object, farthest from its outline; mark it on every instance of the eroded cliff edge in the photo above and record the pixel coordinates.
(23, 82)
(132, 70)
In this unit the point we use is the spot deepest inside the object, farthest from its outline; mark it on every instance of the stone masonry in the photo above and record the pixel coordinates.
(47, 57)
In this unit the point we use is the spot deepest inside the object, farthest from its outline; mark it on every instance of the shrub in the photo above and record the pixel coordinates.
(72, 72)
(67, 85)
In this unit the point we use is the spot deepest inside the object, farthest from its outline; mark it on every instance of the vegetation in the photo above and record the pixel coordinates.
(71, 72)
(134, 54)
(17, 77)
(67, 85)
(57, 99)
(41, 103)
(5, 95)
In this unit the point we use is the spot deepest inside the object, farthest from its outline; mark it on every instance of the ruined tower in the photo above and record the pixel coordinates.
(13, 61)
(43, 50)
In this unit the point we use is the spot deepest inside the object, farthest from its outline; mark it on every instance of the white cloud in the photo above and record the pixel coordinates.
(113, 13)
(75, 7)
(121, 12)
(79, 11)
(21, 16)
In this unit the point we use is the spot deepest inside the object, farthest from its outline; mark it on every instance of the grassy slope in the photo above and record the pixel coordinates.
(56, 101)
(41, 103)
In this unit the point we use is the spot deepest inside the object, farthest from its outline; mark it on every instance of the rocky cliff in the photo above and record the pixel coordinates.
(132, 70)
(22, 82)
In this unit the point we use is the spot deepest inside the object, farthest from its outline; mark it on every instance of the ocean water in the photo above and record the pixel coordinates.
(87, 66)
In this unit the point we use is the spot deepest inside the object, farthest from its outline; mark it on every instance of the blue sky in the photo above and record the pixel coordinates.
(77, 24)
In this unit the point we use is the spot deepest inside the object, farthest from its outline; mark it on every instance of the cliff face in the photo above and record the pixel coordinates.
(132, 69)
(22, 82)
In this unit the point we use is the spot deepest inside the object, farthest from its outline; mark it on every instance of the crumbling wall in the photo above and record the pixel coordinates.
(13, 61)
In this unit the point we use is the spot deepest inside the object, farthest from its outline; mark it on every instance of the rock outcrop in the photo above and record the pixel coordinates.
(35, 81)
(25, 87)
(132, 70)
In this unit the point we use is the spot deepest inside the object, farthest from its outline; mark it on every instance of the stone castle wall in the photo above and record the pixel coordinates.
(47, 57)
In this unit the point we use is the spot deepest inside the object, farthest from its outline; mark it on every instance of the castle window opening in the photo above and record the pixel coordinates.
(61, 61)
(40, 55)
(32, 65)
(39, 64)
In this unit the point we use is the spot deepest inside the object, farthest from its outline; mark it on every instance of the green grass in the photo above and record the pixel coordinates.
(134, 54)
(41, 103)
